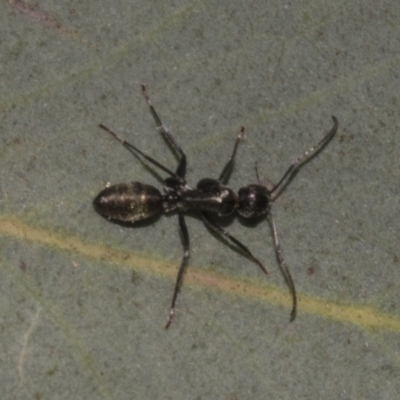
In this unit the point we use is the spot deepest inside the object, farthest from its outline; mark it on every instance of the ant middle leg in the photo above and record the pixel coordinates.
(167, 135)
(219, 229)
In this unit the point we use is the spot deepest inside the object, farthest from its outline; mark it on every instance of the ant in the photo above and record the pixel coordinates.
(135, 201)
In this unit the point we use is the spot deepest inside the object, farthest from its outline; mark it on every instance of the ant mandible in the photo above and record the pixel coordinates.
(135, 201)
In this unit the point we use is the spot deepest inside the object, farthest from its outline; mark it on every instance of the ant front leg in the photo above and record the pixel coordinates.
(229, 164)
(214, 185)
(179, 278)
(283, 265)
(181, 169)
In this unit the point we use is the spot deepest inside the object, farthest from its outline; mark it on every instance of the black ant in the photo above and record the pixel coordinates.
(135, 201)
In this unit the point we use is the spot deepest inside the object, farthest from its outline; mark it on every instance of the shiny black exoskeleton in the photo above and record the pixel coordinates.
(131, 202)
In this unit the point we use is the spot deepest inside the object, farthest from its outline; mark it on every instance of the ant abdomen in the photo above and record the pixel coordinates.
(128, 202)
(253, 201)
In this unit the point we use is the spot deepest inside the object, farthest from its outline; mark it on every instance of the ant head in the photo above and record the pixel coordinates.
(254, 201)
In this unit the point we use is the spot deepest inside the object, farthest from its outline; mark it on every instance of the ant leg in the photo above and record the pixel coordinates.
(308, 154)
(219, 229)
(284, 267)
(229, 164)
(181, 169)
(257, 176)
(134, 149)
(179, 278)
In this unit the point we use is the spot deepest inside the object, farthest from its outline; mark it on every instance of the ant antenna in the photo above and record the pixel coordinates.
(308, 154)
